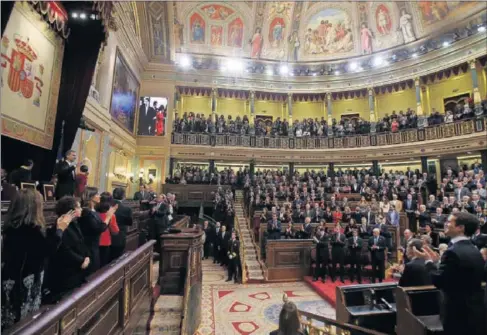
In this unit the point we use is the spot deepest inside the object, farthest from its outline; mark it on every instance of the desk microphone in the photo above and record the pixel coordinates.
(389, 307)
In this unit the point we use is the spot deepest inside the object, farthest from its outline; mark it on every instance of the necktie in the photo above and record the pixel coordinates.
(375, 241)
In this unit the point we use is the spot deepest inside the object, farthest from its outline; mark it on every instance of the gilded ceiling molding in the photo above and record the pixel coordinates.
(461, 52)
(132, 49)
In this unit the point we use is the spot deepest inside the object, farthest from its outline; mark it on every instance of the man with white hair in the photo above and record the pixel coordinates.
(377, 246)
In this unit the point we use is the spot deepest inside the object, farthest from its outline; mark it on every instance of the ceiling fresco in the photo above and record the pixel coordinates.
(301, 31)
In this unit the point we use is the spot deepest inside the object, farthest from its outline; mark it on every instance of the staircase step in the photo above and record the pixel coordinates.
(169, 304)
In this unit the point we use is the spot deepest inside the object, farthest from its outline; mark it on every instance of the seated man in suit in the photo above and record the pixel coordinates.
(415, 272)
(377, 246)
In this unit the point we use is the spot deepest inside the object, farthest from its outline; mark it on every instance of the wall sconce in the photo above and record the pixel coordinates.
(141, 178)
(131, 177)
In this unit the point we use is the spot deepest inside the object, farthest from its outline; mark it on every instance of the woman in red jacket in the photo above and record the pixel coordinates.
(106, 201)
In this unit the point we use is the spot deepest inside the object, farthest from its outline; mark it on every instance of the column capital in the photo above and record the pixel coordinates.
(370, 90)
(214, 90)
(289, 95)
(417, 81)
(328, 96)
(252, 94)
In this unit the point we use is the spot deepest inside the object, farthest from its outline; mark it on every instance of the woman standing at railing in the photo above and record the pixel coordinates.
(26, 246)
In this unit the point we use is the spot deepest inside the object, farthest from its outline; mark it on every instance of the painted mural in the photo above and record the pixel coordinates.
(383, 20)
(235, 33)
(306, 31)
(217, 12)
(216, 36)
(197, 25)
(436, 11)
(329, 32)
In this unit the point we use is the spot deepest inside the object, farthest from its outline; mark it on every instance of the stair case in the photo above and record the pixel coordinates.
(253, 266)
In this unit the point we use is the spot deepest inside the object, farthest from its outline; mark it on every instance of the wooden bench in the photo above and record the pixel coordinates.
(112, 301)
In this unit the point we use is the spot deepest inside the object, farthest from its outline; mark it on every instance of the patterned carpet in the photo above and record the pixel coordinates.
(252, 309)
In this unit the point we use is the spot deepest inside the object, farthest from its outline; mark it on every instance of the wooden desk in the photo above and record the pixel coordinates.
(180, 272)
(193, 194)
(288, 260)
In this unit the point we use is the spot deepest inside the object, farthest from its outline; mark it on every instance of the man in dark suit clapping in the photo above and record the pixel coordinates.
(208, 239)
(123, 215)
(216, 243)
(322, 255)
(415, 272)
(338, 253)
(274, 228)
(459, 276)
(66, 175)
(355, 248)
(410, 207)
(377, 246)
(143, 196)
(223, 238)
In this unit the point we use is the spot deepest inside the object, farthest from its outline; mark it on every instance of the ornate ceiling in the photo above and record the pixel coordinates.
(302, 32)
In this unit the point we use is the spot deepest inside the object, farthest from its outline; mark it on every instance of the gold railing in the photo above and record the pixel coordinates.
(314, 324)
(442, 131)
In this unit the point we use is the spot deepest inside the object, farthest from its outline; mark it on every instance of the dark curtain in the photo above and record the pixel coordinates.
(7, 7)
(80, 56)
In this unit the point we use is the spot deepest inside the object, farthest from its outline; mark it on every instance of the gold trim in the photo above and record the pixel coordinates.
(126, 299)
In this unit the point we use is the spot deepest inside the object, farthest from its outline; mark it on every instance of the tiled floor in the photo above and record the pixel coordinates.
(253, 309)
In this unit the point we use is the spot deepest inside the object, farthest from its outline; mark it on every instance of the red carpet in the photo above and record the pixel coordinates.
(327, 290)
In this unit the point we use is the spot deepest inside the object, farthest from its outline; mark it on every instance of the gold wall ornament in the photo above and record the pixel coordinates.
(477, 99)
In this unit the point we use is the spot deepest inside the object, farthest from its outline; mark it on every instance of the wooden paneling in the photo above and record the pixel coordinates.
(288, 260)
(110, 303)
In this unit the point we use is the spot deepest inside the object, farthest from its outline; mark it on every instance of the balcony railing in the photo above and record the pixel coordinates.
(431, 133)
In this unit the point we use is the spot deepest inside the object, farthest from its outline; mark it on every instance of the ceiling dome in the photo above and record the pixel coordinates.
(310, 31)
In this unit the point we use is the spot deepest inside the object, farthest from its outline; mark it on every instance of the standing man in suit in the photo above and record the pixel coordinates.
(143, 196)
(216, 243)
(459, 276)
(123, 214)
(435, 240)
(144, 120)
(410, 207)
(274, 228)
(66, 175)
(423, 216)
(415, 272)
(233, 255)
(377, 246)
(308, 228)
(338, 254)
(355, 243)
(208, 239)
(223, 238)
(322, 255)
(408, 236)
